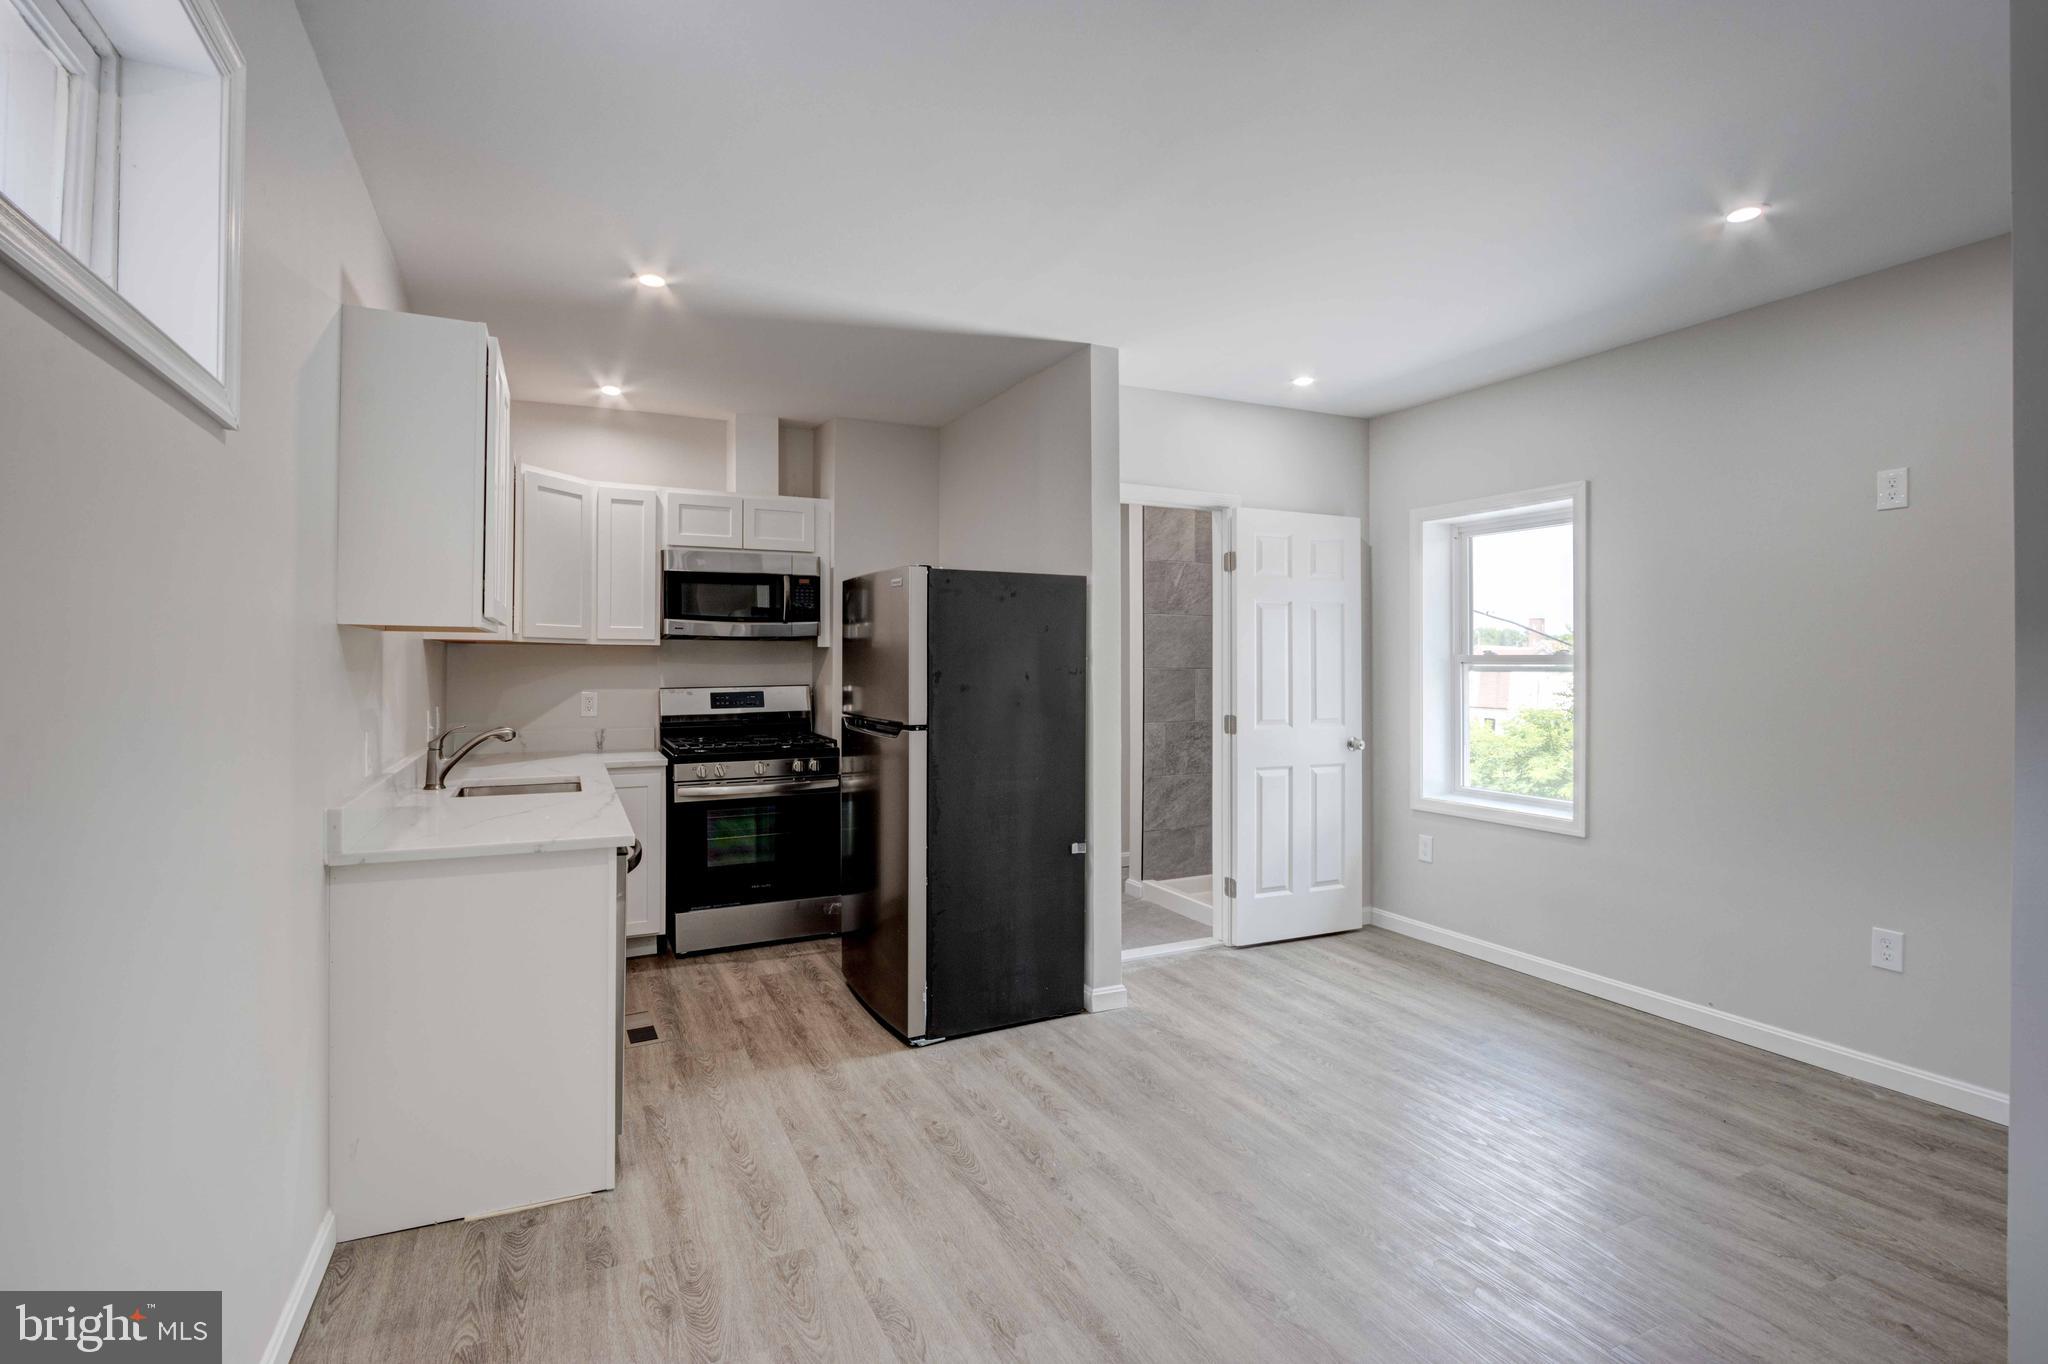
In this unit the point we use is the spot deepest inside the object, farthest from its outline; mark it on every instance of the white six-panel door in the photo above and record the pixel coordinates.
(1298, 615)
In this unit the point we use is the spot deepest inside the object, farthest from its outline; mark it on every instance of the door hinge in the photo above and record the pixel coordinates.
(1230, 561)
(1079, 850)
(1230, 887)
(1230, 724)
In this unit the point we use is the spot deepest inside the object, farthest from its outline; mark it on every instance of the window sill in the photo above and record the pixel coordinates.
(1502, 812)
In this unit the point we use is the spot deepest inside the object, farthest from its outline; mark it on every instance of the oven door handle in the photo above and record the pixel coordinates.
(734, 790)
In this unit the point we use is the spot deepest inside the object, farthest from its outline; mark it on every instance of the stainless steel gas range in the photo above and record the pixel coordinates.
(753, 828)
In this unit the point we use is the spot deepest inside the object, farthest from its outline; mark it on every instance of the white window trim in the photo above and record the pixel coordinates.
(1437, 565)
(71, 278)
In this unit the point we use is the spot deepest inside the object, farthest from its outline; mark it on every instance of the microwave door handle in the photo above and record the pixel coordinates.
(788, 592)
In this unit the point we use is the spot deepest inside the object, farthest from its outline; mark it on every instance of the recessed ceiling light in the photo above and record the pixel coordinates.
(652, 280)
(1304, 380)
(1748, 213)
(610, 390)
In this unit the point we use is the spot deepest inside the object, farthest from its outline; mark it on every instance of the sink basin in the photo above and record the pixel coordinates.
(566, 786)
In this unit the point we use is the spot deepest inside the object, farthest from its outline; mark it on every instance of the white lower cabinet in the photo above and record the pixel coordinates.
(643, 789)
(473, 1036)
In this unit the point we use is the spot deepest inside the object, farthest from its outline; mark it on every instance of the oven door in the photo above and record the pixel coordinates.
(746, 843)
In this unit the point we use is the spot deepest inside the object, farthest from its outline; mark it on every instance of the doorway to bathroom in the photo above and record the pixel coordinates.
(1177, 680)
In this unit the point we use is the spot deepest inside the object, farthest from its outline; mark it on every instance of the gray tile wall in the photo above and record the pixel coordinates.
(1176, 614)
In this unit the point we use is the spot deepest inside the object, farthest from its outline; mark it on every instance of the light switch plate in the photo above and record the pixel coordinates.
(1891, 489)
(1425, 847)
(1887, 949)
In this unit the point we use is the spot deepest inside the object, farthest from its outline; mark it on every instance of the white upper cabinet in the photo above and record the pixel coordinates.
(628, 564)
(557, 556)
(498, 497)
(700, 520)
(424, 454)
(783, 523)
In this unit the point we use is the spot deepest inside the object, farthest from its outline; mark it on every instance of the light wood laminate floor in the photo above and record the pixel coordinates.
(1351, 1148)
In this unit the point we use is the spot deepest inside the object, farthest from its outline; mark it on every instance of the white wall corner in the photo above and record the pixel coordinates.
(753, 455)
(298, 1305)
(1105, 814)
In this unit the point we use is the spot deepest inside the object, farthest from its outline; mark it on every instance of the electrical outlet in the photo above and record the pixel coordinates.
(1891, 489)
(1425, 847)
(589, 704)
(1888, 949)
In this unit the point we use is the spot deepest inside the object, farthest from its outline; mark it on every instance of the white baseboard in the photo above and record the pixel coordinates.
(1102, 998)
(1169, 949)
(1960, 1095)
(1178, 896)
(284, 1338)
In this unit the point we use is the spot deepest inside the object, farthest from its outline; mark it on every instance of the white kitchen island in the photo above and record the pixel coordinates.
(475, 994)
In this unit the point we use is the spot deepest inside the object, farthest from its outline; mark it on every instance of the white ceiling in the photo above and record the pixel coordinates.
(1403, 197)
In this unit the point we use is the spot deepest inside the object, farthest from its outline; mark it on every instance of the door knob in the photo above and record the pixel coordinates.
(1354, 744)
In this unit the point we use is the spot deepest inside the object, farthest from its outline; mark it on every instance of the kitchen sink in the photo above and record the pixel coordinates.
(567, 786)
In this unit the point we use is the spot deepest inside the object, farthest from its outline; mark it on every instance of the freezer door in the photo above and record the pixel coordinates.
(884, 663)
(882, 873)
(1008, 798)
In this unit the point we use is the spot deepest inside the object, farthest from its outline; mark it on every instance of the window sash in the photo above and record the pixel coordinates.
(1465, 659)
(81, 61)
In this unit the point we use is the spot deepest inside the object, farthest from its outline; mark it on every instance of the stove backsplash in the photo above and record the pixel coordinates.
(538, 688)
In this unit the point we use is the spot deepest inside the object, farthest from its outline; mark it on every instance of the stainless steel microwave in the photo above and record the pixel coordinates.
(739, 594)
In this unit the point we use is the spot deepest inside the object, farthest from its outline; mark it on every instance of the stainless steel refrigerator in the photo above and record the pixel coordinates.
(963, 788)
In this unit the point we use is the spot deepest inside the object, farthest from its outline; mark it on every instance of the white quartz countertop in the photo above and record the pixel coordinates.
(399, 823)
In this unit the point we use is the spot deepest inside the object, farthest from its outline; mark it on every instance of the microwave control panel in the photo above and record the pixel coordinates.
(803, 596)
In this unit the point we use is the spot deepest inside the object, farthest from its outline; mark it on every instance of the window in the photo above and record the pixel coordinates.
(46, 73)
(120, 177)
(1500, 714)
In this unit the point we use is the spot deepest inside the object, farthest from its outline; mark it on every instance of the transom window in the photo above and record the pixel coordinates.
(120, 176)
(1500, 713)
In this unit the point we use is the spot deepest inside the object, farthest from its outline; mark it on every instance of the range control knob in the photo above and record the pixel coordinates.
(718, 769)
(700, 769)
(760, 769)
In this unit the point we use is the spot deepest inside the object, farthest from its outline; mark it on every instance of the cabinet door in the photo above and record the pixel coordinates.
(628, 564)
(784, 523)
(700, 520)
(497, 492)
(642, 793)
(557, 521)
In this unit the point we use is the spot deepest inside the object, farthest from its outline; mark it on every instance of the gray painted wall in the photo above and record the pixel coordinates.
(1028, 484)
(178, 690)
(1796, 705)
(1178, 618)
(1275, 457)
(2027, 1227)
(617, 445)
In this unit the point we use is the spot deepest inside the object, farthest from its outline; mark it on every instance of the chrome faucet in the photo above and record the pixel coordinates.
(437, 770)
